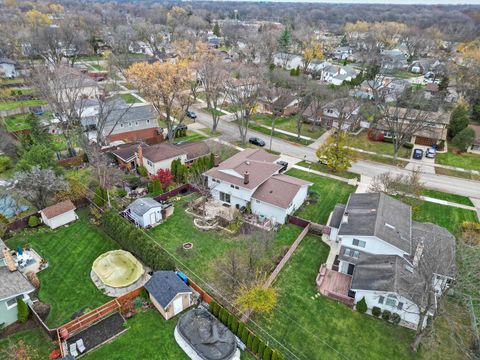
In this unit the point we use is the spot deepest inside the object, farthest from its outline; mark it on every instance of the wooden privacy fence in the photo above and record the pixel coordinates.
(52, 333)
(183, 189)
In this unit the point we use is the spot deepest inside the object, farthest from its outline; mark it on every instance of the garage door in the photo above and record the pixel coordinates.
(420, 140)
(177, 305)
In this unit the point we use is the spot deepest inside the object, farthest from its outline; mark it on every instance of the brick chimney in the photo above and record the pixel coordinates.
(246, 177)
(216, 160)
(140, 155)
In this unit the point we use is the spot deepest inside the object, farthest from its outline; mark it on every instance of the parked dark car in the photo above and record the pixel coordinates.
(191, 114)
(256, 141)
(418, 154)
(283, 164)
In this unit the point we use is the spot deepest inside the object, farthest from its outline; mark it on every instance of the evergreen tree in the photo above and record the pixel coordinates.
(464, 139)
(23, 311)
(284, 39)
(216, 30)
(458, 120)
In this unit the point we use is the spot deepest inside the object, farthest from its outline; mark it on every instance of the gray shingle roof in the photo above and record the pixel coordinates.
(165, 285)
(337, 215)
(378, 273)
(376, 214)
(142, 205)
(13, 284)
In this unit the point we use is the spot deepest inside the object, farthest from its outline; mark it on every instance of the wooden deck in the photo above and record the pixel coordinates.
(334, 284)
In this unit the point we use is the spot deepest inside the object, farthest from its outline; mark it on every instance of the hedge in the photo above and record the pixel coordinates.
(135, 241)
(395, 318)
(251, 341)
(376, 311)
(23, 311)
(361, 306)
(386, 315)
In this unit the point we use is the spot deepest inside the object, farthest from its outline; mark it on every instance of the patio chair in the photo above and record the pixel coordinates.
(80, 345)
(73, 350)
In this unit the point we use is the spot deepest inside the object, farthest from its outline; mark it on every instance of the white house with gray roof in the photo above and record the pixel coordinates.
(147, 212)
(394, 263)
(13, 285)
(253, 177)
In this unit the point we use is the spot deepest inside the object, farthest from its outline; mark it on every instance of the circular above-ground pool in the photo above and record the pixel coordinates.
(118, 269)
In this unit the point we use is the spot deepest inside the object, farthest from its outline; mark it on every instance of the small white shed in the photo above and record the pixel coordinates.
(147, 212)
(59, 214)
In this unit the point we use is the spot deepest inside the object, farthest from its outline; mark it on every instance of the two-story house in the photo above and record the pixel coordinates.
(391, 261)
(252, 179)
(287, 61)
(337, 74)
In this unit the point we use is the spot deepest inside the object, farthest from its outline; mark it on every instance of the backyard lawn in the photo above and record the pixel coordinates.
(34, 339)
(214, 111)
(208, 246)
(361, 141)
(70, 251)
(315, 327)
(19, 122)
(465, 160)
(10, 105)
(149, 336)
(329, 192)
(129, 98)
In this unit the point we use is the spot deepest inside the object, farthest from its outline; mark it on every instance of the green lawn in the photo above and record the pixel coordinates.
(191, 136)
(446, 216)
(448, 197)
(129, 98)
(329, 193)
(289, 123)
(18, 81)
(149, 336)
(315, 327)
(89, 57)
(322, 168)
(214, 111)
(465, 160)
(261, 129)
(455, 173)
(35, 339)
(361, 141)
(208, 246)
(230, 108)
(70, 251)
(19, 122)
(380, 159)
(10, 105)
(96, 67)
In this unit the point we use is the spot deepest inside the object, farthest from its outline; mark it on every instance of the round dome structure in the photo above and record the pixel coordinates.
(117, 269)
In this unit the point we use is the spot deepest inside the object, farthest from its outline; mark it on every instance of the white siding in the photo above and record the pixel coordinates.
(59, 220)
(298, 200)
(240, 196)
(8, 70)
(373, 245)
(153, 168)
(272, 212)
(409, 312)
(147, 217)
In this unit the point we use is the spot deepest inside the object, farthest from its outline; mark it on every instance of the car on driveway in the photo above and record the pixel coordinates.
(283, 164)
(191, 114)
(256, 141)
(418, 154)
(430, 153)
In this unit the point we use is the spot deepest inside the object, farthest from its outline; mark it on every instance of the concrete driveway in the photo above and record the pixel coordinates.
(426, 165)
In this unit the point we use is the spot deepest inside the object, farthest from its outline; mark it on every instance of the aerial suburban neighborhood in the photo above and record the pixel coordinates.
(219, 180)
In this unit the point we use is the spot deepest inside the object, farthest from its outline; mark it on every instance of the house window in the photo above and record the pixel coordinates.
(356, 254)
(400, 306)
(236, 187)
(225, 197)
(391, 301)
(359, 243)
(232, 186)
(121, 125)
(136, 123)
(130, 124)
(11, 303)
(381, 299)
(148, 121)
(347, 252)
(149, 163)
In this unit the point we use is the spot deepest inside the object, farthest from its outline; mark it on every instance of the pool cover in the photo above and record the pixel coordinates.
(210, 339)
(118, 268)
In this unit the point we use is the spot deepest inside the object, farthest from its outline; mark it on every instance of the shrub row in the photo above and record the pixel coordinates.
(386, 315)
(135, 241)
(256, 345)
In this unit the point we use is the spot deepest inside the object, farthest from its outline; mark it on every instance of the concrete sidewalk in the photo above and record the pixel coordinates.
(353, 182)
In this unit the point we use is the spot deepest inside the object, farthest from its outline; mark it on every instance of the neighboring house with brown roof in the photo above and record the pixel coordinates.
(252, 177)
(475, 148)
(160, 156)
(59, 214)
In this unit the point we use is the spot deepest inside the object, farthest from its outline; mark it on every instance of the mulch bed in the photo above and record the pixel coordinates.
(100, 332)
(16, 327)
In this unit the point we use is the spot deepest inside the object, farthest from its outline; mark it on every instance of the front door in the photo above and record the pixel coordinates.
(350, 269)
(177, 305)
(152, 218)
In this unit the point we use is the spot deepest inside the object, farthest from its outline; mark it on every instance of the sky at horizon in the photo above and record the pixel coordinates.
(401, 2)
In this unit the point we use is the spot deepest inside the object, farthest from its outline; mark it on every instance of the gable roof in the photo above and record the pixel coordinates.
(142, 205)
(376, 214)
(127, 153)
(195, 149)
(162, 151)
(13, 284)
(337, 214)
(279, 190)
(58, 209)
(259, 164)
(164, 286)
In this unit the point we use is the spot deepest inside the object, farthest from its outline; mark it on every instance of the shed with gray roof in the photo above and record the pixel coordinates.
(147, 212)
(169, 293)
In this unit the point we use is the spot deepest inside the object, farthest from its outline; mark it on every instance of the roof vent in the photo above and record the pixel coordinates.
(246, 177)
(390, 226)
(247, 162)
